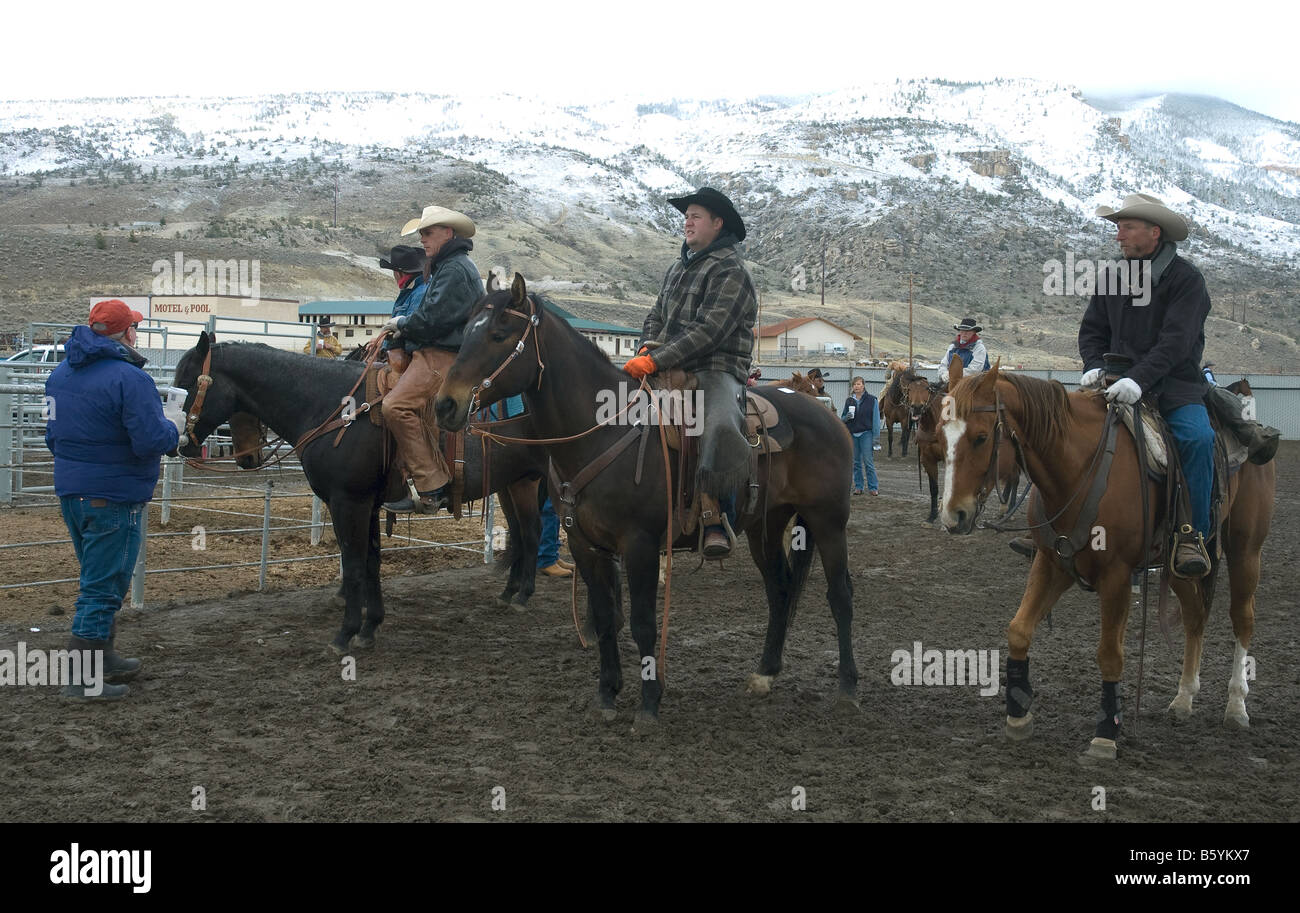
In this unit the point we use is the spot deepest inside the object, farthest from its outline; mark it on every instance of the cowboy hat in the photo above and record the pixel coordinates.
(404, 259)
(458, 222)
(1173, 227)
(967, 325)
(818, 372)
(716, 203)
(324, 322)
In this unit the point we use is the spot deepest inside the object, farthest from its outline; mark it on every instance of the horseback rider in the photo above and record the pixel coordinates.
(969, 348)
(703, 322)
(1164, 336)
(327, 344)
(407, 264)
(432, 334)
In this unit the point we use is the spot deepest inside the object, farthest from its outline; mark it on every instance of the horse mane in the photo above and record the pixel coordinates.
(541, 301)
(1044, 406)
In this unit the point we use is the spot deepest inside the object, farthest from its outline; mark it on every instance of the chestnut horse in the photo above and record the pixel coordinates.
(512, 345)
(1059, 435)
(893, 401)
(924, 402)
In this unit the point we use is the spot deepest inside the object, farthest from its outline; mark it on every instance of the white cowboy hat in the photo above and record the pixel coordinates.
(1173, 227)
(458, 222)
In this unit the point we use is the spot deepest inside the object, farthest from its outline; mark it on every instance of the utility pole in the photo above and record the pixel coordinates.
(871, 335)
(910, 357)
(823, 274)
(336, 199)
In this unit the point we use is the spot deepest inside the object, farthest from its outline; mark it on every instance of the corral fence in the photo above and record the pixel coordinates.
(27, 469)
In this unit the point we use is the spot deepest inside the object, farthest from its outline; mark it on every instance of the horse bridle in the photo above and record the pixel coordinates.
(999, 408)
(204, 381)
(533, 320)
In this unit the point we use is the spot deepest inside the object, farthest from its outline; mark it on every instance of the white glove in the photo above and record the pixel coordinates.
(1125, 390)
(175, 414)
(394, 327)
(1092, 378)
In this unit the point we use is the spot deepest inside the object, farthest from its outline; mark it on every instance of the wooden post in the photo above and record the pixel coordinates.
(910, 357)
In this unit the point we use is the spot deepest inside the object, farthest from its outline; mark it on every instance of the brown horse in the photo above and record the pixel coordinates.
(1059, 435)
(924, 401)
(512, 345)
(893, 402)
(796, 382)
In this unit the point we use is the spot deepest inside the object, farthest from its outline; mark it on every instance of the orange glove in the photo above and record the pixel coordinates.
(643, 350)
(640, 366)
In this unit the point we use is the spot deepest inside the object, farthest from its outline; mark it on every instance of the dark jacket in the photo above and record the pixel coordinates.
(106, 428)
(453, 289)
(704, 316)
(865, 418)
(407, 300)
(1165, 338)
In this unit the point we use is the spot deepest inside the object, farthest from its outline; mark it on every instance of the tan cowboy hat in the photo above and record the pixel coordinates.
(1173, 227)
(458, 222)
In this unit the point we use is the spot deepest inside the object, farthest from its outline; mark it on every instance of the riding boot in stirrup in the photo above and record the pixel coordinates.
(1191, 560)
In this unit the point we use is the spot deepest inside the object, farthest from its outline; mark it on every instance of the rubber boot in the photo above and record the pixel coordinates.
(81, 692)
(118, 669)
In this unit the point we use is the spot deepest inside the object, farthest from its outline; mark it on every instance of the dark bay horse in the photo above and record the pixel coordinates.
(893, 403)
(292, 394)
(564, 380)
(1060, 436)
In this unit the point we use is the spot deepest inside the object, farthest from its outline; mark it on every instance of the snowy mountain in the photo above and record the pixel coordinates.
(969, 187)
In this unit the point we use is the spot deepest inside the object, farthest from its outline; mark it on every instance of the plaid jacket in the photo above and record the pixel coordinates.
(704, 317)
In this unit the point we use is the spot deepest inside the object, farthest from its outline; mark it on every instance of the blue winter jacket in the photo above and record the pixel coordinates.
(106, 427)
(407, 301)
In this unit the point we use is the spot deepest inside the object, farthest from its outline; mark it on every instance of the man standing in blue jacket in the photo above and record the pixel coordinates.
(862, 418)
(107, 431)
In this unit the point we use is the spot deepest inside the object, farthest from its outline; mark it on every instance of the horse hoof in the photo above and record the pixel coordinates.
(1020, 728)
(338, 601)
(645, 723)
(519, 607)
(847, 706)
(1100, 750)
(1239, 720)
(340, 648)
(1180, 710)
(759, 685)
(503, 602)
(365, 640)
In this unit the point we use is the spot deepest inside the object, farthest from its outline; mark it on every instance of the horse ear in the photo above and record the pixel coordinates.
(202, 347)
(518, 291)
(990, 378)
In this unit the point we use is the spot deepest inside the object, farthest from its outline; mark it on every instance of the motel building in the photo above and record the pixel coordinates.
(173, 322)
(357, 321)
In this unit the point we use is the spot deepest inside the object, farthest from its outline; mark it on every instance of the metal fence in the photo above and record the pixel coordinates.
(27, 470)
(1277, 396)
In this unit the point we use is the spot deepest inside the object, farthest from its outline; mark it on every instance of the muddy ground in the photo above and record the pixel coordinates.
(241, 697)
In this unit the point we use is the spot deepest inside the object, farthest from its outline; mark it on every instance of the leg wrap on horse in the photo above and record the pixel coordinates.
(724, 452)
(1020, 695)
(1110, 715)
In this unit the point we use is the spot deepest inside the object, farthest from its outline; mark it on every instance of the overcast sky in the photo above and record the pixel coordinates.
(576, 50)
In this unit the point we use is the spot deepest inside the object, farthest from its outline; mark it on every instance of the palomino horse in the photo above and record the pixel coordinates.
(512, 345)
(293, 394)
(893, 401)
(1061, 438)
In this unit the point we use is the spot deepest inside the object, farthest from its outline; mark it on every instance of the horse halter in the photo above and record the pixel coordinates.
(999, 408)
(533, 320)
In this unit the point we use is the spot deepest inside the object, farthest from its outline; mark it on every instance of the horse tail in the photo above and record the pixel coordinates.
(800, 565)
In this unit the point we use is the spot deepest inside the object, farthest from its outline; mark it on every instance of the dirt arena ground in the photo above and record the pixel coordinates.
(462, 703)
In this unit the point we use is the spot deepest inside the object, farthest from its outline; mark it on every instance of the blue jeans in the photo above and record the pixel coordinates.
(1190, 425)
(106, 537)
(863, 454)
(548, 550)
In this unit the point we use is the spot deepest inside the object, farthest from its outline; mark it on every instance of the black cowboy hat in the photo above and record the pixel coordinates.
(967, 324)
(818, 372)
(716, 203)
(325, 322)
(404, 258)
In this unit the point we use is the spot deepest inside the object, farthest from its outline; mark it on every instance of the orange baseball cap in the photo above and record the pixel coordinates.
(113, 314)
